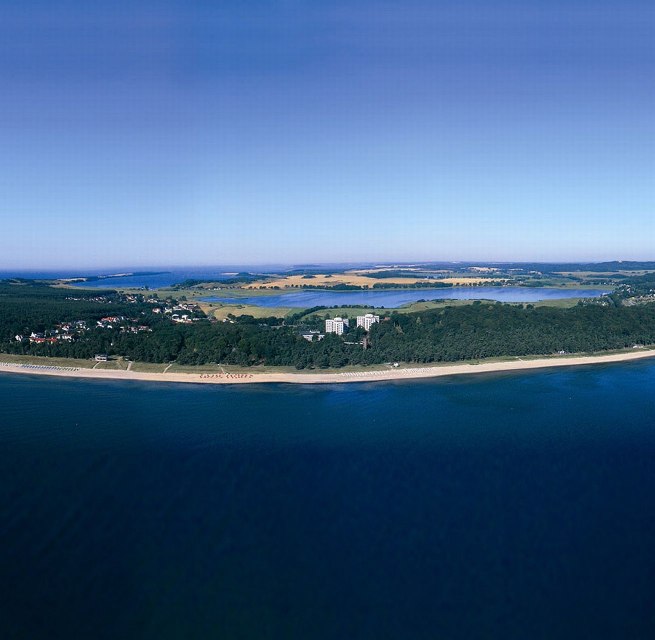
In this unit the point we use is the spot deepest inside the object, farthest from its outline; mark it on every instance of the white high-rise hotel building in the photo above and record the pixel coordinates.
(367, 320)
(336, 325)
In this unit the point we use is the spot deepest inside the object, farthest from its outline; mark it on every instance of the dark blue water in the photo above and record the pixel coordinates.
(399, 297)
(168, 277)
(513, 506)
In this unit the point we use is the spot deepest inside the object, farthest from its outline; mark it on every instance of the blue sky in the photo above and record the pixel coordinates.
(205, 133)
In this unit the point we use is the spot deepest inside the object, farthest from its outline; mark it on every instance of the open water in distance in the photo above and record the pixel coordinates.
(166, 278)
(505, 506)
(398, 297)
(310, 298)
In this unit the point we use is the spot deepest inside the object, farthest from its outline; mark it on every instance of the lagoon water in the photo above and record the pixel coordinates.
(504, 506)
(398, 297)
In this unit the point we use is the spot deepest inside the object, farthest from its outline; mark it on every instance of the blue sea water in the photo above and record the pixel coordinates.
(398, 297)
(504, 506)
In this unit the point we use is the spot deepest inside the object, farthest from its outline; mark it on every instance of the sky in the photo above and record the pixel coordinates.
(247, 132)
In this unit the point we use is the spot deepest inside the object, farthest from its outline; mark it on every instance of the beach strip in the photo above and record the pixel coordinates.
(391, 374)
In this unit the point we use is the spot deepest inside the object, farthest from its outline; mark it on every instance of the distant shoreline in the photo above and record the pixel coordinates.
(389, 375)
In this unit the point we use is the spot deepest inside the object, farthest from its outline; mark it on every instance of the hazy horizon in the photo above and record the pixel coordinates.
(92, 270)
(146, 133)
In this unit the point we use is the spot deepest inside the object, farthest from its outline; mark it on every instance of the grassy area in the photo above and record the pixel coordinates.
(112, 365)
(220, 311)
(209, 291)
(47, 362)
(562, 303)
(352, 312)
(148, 367)
(432, 304)
(344, 312)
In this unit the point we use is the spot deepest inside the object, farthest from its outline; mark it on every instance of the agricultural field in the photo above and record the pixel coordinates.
(356, 279)
(221, 311)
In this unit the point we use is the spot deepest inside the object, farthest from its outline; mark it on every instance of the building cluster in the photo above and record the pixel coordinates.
(110, 322)
(131, 298)
(340, 325)
(184, 313)
(99, 299)
(65, 332)
(136, 329)
(70, 331)
(174, 312)
(312, 336)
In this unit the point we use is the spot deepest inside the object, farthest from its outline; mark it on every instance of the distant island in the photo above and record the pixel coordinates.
(108, 276)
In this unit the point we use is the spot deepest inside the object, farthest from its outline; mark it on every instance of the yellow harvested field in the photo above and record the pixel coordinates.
(325, 280)
(408, 269)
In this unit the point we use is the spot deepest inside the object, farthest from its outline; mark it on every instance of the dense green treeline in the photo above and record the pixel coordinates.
(452, 334)
(638, 285)
(494, 330)
(30, 307)
(27, 307)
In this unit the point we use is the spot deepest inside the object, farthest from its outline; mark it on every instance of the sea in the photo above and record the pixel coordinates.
(513, 505)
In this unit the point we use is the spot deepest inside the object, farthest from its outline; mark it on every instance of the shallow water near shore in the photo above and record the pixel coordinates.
(506, 505)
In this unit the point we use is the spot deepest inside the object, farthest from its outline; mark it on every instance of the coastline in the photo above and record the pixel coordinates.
(409, 373)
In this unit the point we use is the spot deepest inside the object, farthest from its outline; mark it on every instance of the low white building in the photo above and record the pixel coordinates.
(367, 320)
(336, 325)
(310, 336)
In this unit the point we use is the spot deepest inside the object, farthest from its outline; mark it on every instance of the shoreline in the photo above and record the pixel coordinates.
(409, 373)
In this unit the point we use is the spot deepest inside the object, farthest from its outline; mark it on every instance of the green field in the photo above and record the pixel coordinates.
(112, 365)
(561, 303)
(220, 311)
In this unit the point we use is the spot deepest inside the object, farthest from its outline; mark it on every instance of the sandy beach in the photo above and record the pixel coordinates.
(406, 373)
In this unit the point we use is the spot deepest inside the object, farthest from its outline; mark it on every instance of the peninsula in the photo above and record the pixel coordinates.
(375, 375)
(176, 334)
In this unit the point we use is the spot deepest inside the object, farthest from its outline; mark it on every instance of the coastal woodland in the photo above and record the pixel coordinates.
(130, 326)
